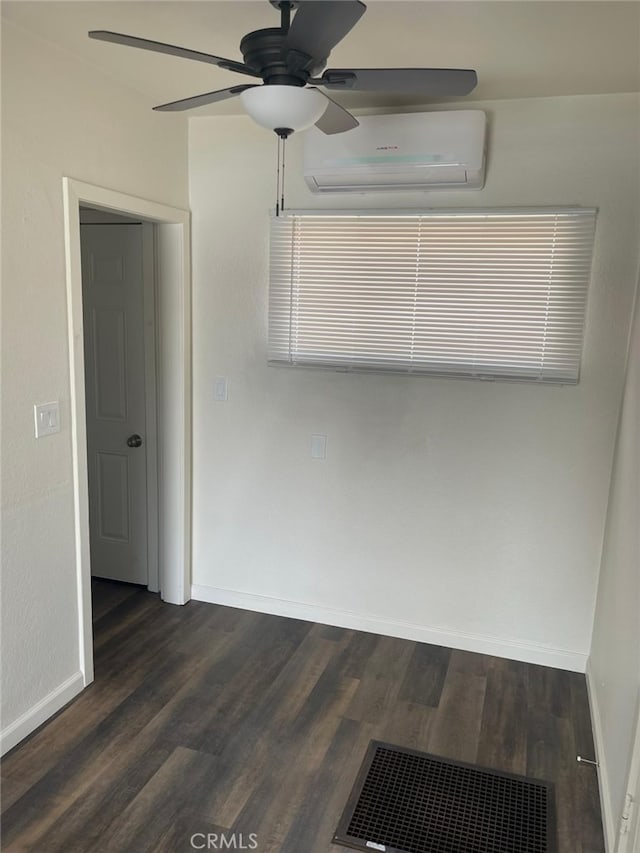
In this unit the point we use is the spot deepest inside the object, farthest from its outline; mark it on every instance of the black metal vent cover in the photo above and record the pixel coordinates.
(404, 801)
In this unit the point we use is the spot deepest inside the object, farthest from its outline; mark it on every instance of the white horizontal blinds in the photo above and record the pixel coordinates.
(492, 293)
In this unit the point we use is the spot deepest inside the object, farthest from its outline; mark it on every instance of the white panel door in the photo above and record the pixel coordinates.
(113, 305)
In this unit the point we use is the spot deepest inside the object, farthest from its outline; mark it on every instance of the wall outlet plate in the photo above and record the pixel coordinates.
(220, 389)
(318, 446)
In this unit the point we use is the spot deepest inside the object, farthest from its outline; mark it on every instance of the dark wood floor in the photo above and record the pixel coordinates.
(205, 718)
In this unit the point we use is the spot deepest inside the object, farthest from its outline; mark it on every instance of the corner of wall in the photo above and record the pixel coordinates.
(40, 712)
(603, 776)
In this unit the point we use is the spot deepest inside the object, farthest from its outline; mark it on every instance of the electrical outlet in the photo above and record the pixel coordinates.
(220, 390)
(318, 446)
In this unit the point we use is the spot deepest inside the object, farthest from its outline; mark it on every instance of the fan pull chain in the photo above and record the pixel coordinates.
(282, 133)
(278, 179)
(284, 144)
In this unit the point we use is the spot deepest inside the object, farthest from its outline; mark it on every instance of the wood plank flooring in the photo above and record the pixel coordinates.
(207, 719)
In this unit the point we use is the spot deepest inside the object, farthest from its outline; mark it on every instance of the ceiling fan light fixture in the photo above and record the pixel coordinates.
(290, 107)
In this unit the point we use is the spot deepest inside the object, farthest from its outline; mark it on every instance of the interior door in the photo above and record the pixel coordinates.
(113, 306)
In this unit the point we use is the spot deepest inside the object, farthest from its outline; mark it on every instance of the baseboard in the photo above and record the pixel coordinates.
(505, 648)
(40, 712)
(608, 824)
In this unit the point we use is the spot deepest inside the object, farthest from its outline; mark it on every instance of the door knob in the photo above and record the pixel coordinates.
(134, 440)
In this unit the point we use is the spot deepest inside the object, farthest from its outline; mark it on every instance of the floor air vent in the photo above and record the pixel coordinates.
(405, 801)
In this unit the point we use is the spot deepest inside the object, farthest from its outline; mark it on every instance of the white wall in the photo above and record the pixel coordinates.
(614, 665)
(59, 117)
(461, 512)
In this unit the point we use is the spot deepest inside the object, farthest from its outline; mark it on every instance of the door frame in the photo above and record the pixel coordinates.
(628, 841)
(150, 319)
(173, 313)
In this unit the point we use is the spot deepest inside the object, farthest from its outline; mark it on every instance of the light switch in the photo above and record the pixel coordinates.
(220, 389)
(47, 418)
(318, 446)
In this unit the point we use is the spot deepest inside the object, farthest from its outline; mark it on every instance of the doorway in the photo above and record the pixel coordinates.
(173, 393)
(118, 295)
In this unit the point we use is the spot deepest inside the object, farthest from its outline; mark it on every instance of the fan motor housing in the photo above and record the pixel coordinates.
(263, 51)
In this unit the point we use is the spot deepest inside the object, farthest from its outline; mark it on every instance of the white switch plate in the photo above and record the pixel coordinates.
(47, 418)
(220, 391)
(318, 446)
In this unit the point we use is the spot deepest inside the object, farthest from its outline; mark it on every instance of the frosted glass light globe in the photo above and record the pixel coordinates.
(287, 107)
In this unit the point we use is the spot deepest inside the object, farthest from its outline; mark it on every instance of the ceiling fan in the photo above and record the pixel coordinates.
(288, 59)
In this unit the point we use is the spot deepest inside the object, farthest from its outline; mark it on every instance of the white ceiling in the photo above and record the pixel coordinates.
(519, 48)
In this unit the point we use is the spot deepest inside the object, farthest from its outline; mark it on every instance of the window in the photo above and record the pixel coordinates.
(496, 294)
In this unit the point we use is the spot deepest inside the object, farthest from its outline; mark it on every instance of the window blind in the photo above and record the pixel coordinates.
(498, 294)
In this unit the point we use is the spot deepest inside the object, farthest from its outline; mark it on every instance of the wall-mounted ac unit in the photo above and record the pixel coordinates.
(412, 151)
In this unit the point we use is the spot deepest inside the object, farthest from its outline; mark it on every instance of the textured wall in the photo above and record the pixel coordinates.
(472, 508)
(58, 118)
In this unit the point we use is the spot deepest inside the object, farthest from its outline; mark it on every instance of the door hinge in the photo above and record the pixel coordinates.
(627, 811)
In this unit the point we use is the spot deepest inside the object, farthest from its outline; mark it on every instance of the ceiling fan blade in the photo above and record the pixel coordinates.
(318, 26)
(172, 50)
(433, 82)
(202, 100)
(335, 118)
